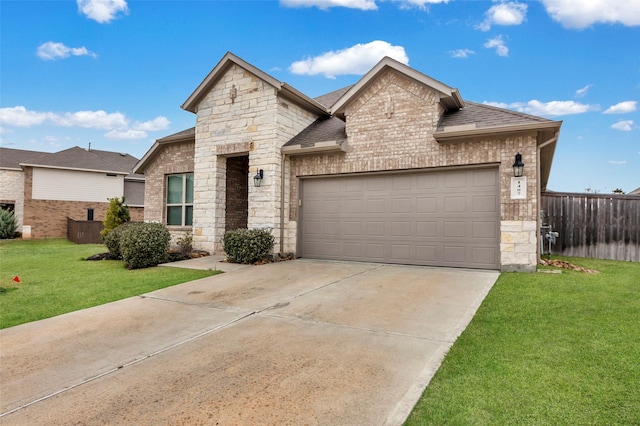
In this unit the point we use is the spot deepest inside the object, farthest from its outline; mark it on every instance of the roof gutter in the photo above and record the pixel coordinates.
(466, 131)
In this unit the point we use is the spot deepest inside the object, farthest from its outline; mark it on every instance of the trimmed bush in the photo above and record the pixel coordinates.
(112, 241)
(247, 245)
(143, 245)
(8, 224)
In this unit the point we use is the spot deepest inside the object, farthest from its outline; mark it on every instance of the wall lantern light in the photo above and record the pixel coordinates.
(518, 166)
(257, 179)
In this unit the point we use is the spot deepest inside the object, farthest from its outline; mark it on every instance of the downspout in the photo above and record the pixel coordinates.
(538, 189)
(282, 204)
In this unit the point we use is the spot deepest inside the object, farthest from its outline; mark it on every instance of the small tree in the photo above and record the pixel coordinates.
(8, 224)
(117, 214)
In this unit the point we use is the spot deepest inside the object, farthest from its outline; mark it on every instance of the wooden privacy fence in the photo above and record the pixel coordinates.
(594, 225)
(84, 231)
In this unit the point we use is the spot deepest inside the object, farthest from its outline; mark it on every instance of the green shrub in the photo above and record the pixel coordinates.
(247, 245)
(117, 214)
(143, 245)
(8, 224)
(112, 241)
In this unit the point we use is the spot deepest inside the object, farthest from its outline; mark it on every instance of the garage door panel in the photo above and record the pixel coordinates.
(426, 204)
(447, 218)
(455, 204)
(484, 203)
(484, 229)
(401, 205)
(483, 257)
(426, 229)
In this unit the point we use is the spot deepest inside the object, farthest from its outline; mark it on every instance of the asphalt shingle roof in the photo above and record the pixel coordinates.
(486, 116)
(80, 158)
(321, 130)
(328, 99)
(11, 158)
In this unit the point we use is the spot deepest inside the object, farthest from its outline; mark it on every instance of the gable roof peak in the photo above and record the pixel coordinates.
(450, 97)
(227, 61)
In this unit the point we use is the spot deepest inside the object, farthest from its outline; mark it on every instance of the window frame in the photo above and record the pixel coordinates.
(183, 204)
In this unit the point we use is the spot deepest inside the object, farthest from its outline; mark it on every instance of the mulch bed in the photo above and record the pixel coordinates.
(566, 265)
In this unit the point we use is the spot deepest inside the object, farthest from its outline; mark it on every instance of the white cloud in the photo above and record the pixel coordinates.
(102, 11)
(583, 92)
(126, 134)
(461, 53)
(583, 13)
(498, 44)
(326, 4)
(622, 107)
(504, 13)
(617, 162)
(420, 4)
(19, 116)
(552, 108)
(116, 123)
(158, 123)
(90, 120)
(50, 51)
(624, 125)
(357, 60)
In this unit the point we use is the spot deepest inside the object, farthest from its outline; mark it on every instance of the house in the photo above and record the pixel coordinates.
(635, 192)
(397, 168)
(46, 188)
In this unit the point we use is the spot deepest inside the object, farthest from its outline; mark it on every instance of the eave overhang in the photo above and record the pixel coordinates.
(318, 148)
(455, 133)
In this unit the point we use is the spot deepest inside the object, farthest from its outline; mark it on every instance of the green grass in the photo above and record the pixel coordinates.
(545, 349)
(55, 279)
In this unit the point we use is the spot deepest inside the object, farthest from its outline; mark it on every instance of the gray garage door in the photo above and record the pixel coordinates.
(446, 218)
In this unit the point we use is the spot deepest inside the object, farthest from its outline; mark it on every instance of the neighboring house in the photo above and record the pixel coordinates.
(12, 180)
(397, 168)
(49, 187)
(635, 192)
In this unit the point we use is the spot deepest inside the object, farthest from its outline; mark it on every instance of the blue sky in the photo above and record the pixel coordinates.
(115, 72)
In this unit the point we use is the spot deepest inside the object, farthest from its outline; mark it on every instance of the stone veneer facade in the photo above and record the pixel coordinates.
(12, 192)
(256, 122)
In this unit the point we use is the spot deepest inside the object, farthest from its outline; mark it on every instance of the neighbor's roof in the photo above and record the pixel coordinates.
(11, 158)
(77, 158)
(635, 192)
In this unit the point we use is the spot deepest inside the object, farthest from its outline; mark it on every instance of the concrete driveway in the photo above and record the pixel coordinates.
(297, 342)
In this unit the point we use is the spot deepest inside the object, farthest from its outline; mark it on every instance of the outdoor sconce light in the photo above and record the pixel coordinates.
(518, 166)
(257, 179)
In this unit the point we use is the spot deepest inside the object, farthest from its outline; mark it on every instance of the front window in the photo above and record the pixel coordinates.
(180, 199)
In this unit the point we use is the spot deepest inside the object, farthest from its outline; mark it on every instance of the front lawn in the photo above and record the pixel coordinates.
(545, 349)
(55, 279)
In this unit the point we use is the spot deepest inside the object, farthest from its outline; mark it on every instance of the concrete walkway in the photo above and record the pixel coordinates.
(296, 342)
